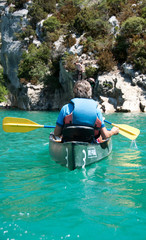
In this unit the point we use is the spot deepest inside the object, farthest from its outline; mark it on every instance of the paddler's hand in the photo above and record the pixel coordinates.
(115, 130)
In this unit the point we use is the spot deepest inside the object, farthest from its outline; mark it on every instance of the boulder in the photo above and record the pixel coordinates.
(121, 94)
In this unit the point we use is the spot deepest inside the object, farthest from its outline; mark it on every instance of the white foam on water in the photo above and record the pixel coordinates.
(133, 145)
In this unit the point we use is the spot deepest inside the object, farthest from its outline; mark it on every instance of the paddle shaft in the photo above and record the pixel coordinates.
(28, 125)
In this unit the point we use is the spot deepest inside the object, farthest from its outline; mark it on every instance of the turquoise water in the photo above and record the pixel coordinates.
(42, 200)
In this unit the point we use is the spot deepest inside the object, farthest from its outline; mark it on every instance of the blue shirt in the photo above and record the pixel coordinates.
(68, 108)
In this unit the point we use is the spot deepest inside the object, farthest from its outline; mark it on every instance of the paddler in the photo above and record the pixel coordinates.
(82, 110)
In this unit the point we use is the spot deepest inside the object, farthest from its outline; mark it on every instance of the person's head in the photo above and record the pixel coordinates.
(82, 89)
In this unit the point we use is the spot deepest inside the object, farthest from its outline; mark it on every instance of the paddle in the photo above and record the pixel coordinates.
(12, 124)
(126, 130)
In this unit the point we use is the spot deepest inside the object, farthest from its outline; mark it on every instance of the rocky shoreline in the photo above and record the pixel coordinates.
(121, 90)
(116, 91)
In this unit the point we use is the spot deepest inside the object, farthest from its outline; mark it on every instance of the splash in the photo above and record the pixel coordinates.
(133, 145)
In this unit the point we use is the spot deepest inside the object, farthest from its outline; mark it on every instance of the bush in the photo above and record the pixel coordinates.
(67, 12)
(69, 61)
(91, 72)
(132, 26)
(51, 37)
(143, 12)
(47, 5)
(18, 4)
(51, 24)
(120, 49)
(52, 79)
(39, 10)
(130, 9)
(137, 54)
(89, 20)
(115, 6)
(88, 44)
(82, 18)
(26, 32)
(106, 61)
(98, 28)
(39, 72)
(125, 49)
(35, 57)
(3, 89)
(36, 14)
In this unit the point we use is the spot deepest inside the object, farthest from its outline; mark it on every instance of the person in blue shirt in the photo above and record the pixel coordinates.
(82, 110)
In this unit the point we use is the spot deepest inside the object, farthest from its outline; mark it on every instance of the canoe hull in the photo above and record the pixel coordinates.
(78, 154)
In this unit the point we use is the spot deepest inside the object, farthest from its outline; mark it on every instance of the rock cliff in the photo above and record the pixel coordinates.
(120, 90)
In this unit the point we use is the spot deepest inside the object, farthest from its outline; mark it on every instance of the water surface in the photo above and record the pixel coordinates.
(40, 199)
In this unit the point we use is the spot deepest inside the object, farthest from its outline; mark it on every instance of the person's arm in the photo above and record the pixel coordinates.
(106, 134)
(58, 131)
(60, 122)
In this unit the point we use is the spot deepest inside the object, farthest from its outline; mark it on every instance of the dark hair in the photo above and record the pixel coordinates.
(82, 89)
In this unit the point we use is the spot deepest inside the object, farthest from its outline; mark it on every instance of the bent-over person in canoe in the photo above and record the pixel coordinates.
(81, 115)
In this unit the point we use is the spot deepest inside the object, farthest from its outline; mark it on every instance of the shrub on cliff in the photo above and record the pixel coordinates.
(47, 5)
(137, 54)
(132, 26)
(31, 60)
(51, 24)
(90, 21)
(18, 4)
(130, 9)
(3, 89)
(143, 12)
(67, 12)
(69, 61)
(91, 72)
(26, 33)
(130, 43)
(106, 61)
(82, 19)
(39, 10)
(115, 6)
(37, 66)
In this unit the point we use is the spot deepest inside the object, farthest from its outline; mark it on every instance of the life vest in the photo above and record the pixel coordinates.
(84, 114)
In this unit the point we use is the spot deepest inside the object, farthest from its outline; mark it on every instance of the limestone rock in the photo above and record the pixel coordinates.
(106, 106)
(12, 23)
(115, 25)
(121, 94)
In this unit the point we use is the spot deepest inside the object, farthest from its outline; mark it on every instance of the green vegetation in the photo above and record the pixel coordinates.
(51, 24)
(37, 66)
(34, 66)
(40, 9)
(133, 26)
(69, 61)
(91, 72)
(130, 44)
(88, 18)
(3, 89)
(26, 32)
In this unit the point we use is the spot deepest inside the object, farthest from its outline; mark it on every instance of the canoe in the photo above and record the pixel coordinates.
(77, 154)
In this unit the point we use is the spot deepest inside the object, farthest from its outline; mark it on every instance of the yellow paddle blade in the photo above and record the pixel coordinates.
(127, 131)
(12, 124)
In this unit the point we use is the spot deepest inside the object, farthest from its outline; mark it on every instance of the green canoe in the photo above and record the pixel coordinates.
(77, 154)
